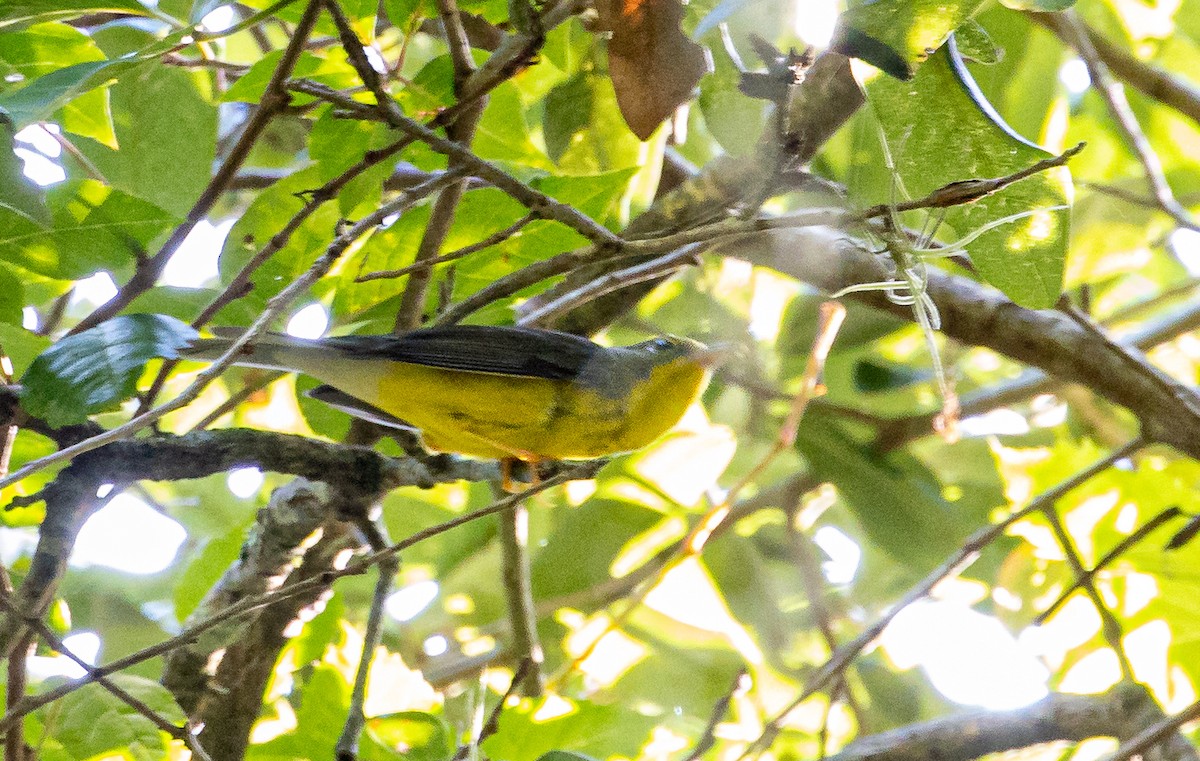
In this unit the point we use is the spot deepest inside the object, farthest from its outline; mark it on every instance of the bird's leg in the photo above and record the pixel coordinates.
(531, 462)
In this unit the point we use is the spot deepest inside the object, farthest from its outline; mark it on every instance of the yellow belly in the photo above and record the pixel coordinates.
(500, 416)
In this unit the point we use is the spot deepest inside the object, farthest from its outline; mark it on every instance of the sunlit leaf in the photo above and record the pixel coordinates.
(94, 228)
(940, 130)
(94, 370)
(22, 11)
(897, 35)
(92, 721)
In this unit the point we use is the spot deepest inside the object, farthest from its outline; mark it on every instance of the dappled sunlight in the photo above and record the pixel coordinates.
(1014, 464)
(727, 592)
(407, 603)
(969, 657)
(1094, 672)
(608, 658)
(844, 555)
(84, 645)
(245, 482)
(1140, 590)
(309, 322)
(1147, 647)
(194, 265)
(128, 535)
(687, 594)
(280, 719)
(689, 460)
(392, 687)
(1074, 624)
(1081, 521)
(663, 744)
(281, 411)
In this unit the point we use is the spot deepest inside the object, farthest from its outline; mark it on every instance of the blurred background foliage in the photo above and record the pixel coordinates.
(117, 122)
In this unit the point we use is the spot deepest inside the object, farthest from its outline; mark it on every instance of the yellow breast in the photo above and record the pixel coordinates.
(499, 416)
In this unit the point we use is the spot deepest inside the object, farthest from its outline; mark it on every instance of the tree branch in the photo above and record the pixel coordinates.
(977, 733)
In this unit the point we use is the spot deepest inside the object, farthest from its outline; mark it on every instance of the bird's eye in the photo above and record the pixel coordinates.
(660, 344)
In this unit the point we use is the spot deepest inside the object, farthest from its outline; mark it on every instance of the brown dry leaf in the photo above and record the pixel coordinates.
(652, 64)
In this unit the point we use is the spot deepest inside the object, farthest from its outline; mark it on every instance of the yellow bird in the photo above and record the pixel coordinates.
(506, 393)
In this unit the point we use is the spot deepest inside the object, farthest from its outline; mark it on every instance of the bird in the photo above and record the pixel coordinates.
(495, 392)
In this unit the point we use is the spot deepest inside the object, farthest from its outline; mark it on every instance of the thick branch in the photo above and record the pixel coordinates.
(1168, 89)
(978, 733)
(229, 710)
(976, 315)
(268, 556)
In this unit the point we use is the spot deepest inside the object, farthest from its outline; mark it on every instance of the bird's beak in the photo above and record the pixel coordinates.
(712, 357)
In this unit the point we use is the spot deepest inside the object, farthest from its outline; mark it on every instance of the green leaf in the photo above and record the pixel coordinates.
(503, 132)
(331, 70)
(20, 197)
(21, 346)
(44, 48)
(336, 144)
(91, 721)
(318, 719)
(94, 370)
(94, 228)
(402, 13)
(24, 11)
(420, 736)
(321, 631)
(46, 94)
(389, 249)
(171, 168)
(204, 570)
(265, 217)
(1045, 6)
(565, 755)
(12, 297)
(897, 35)
(895, 498)
(568, 112)
(975, 44)
(733, 119)
(940, 130)
(604, 730)
(606, 526)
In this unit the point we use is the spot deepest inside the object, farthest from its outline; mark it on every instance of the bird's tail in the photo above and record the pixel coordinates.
(270, 351)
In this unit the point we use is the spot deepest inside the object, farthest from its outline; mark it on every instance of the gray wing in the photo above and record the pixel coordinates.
(526, 352)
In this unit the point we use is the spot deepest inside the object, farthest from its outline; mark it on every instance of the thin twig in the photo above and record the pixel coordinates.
(955, 193)
(831, 317)
(1152, 735)
(1147, 528)
(497, 237)
(14, 736)
(532, 199)
(1111, 627)
(1163, 86)
(492, 725)
(1076, 35)
(962, 558)
(233, 400)
(518, 594)
(274, 99)
(184, 734)
(462, 130)
(613, 281)
(813, 582)
(387, 568)
(273, 308)
(251, 604)
(708, 738)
